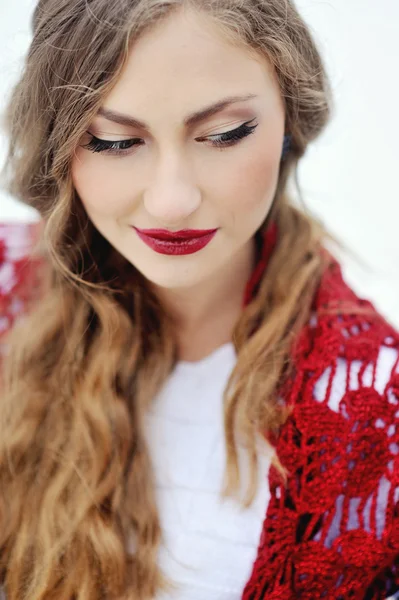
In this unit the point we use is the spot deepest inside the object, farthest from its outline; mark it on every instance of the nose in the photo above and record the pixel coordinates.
(172, 195)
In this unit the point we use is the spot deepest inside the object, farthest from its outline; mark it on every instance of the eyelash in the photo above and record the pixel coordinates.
(225, 139)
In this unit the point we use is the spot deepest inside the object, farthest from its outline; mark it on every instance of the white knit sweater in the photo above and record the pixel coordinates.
(210, 544)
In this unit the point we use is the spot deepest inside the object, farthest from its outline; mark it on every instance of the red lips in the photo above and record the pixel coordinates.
(185, 241)
(183, 234)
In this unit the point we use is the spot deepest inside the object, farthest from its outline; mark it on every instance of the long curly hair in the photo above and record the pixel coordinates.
(76, 480)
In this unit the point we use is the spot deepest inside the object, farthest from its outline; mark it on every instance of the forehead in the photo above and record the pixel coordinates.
(185, 62)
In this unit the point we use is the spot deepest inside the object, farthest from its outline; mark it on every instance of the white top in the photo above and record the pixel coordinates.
(211, 545)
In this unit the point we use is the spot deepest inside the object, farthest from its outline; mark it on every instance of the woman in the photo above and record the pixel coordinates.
(158, 365)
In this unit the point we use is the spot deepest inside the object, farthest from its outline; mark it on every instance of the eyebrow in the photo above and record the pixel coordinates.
(193, 119)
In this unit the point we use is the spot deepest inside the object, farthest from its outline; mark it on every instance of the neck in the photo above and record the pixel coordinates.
(205, 315)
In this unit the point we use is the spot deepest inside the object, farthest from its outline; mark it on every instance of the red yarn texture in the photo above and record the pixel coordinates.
(333, 531)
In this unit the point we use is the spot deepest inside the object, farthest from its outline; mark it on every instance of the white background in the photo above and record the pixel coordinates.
(349, 176)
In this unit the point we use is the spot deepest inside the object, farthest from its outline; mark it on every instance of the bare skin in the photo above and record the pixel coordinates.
(176, 178)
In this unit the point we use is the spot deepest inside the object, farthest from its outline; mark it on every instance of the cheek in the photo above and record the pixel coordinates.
(252, 182)
(99, 185)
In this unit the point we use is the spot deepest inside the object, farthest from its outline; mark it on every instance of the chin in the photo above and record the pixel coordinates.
(170, 279)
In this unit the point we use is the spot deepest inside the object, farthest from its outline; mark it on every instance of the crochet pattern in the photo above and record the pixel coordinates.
(333, 531)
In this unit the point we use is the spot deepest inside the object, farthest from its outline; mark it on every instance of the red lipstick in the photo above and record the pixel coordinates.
(185, 241)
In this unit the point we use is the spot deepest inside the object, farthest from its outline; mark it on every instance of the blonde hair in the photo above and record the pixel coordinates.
(76, 482)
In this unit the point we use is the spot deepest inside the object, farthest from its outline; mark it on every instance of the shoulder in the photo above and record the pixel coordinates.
(345, 334)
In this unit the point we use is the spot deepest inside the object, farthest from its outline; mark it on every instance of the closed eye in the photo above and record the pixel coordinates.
(219, 140)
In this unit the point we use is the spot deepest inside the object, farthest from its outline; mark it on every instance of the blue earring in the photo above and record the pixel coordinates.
(286, 146)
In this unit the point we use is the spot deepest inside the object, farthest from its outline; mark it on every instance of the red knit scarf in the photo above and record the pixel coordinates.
(332, 532)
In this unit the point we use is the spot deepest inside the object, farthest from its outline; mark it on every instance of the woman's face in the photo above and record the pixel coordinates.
(170, 174)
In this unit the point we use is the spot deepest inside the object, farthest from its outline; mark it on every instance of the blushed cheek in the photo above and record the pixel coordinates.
(255, 181)
(100, 190)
